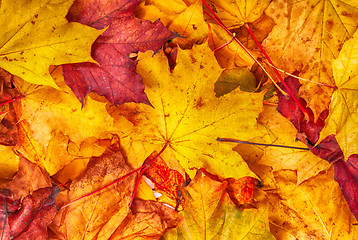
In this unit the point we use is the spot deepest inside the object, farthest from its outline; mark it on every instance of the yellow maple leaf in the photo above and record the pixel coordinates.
(307, 37)
(36, 34)
(343, 114)
(187, 116)
(51, 118)
(314, 209)
(210, 214)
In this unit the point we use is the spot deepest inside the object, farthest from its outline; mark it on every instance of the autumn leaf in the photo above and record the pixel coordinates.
(97, 150)
(308, 129)
(106, 214)
(36, 32)
(314, 209)
(187, 116)
(233, 15)
(327, 149)
(9, 94)
(345, 173)
(50, 118)
(307, 37)
(209, 213)
(114, 76)
(341, 120)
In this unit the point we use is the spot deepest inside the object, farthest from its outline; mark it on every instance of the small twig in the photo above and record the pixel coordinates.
(259, 144)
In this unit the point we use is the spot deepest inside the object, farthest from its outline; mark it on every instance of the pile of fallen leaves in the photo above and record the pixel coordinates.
(126, 119)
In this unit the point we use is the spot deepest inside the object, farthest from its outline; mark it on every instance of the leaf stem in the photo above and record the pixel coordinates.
(300, 78)
(232, 39)
(11, 100)
(259, 144)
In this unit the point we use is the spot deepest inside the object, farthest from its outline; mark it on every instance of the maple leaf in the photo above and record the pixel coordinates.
(35, 32)
(8, 118)
(307, 37)
(308, 131)
(50, 118)
(106, 214)
(226, 19)
(313, 209)
(28, 179)
(209, 213)
(232, 55)
(115, 76)
(165, 179)
(343, 113)
(187, 116)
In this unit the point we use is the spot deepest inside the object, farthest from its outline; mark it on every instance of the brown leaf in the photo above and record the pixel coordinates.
(28, 178)
(97, 216)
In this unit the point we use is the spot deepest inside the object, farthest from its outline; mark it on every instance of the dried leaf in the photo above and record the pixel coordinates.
(97, 216)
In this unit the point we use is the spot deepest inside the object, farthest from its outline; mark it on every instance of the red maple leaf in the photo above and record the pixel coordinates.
(27, 219)
(114, 76)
